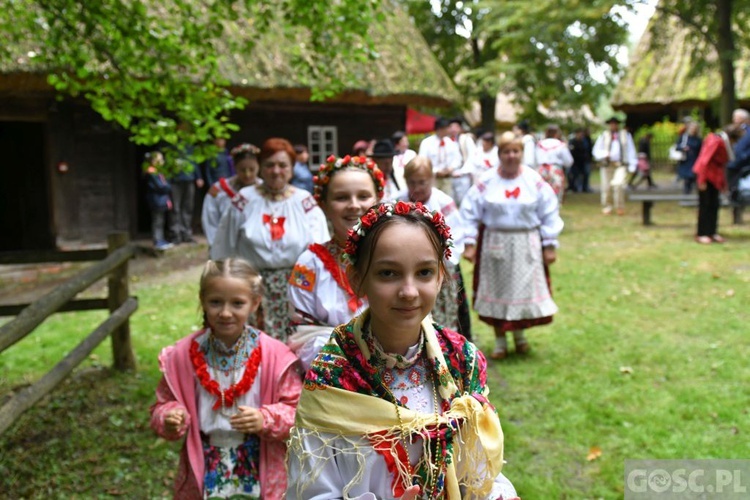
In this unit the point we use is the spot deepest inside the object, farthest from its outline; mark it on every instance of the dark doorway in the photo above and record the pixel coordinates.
(24, 189)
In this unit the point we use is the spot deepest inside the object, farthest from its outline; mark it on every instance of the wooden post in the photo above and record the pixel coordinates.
(122, 350)
(647, 206)
(737, 214)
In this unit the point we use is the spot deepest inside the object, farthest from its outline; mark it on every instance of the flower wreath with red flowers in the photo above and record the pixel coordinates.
(244, 148)
(378, 212)
(334, 164)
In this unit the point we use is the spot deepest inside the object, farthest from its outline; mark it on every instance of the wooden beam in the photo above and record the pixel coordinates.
(39, 256)
(32, 316)
(28, 396)
(70, 306)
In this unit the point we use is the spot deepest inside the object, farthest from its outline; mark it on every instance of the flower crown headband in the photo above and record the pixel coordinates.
(374, 214)
(333, 165)
(244, 148)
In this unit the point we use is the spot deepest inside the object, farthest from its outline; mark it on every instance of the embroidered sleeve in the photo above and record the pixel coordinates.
(278, 418)
(166, 402)
(549, 216)
(227, 235)
(210, 216)
(471, 214)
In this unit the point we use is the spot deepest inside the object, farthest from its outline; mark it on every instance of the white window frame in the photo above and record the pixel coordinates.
(326, 138)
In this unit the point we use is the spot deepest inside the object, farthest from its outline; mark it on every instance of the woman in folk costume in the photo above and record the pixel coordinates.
(395, 406)
(483, 158)
(512, 214)
(276, 225)
(319, 289)
(231, 391)
(553, 159)
(419, 182)
(226, 192)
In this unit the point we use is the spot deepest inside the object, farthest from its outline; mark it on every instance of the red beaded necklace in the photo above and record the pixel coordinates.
(224, 398)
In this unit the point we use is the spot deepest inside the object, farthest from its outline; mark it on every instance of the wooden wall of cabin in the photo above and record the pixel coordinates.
(98, 192)
(44, 207)
(261, 120)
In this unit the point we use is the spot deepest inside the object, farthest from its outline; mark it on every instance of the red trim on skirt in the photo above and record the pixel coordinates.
(505, 325)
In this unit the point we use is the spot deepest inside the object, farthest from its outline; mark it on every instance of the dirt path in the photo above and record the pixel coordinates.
(24, 284)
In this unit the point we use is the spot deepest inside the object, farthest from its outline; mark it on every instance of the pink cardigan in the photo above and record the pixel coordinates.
(281, 385)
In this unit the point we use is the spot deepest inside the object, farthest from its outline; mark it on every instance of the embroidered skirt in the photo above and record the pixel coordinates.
(511, 286)
(274, 314)
(445, 311)
(232, 470)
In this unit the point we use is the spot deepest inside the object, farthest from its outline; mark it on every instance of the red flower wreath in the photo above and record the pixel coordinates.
(332, 164)
(371, 217)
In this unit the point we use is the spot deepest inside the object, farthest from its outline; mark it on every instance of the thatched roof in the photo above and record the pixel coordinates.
(405, 71)
(663, 70)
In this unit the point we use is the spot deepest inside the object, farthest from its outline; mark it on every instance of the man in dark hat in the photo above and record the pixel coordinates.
(614, 150)
(444, 154)
(382, 153)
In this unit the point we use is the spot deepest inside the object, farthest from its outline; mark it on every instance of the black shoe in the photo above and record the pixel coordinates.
(189, 239)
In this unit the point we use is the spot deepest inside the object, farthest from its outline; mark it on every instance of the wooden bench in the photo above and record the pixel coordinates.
(685, 200)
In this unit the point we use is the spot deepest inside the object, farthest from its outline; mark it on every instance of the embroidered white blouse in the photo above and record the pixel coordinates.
(553, 151)
(215, 204)
(314, 291)
(480, 162)
(214, 423)
(409, 385)
(247, 233)
(526, 202)
(443, 153)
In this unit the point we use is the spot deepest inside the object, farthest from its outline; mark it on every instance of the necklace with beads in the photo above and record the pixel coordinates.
(211, 360)
(271, 195)
(430, 488)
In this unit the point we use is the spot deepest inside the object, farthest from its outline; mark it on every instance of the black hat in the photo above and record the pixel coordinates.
(441, 122)
(383, 149)
(614, 119)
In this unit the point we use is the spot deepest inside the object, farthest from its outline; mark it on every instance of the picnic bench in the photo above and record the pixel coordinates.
(685, 200)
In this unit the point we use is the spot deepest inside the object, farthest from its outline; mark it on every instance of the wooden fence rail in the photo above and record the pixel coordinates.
(117, 325)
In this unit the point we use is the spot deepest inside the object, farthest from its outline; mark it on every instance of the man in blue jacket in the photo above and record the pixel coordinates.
(183, 196)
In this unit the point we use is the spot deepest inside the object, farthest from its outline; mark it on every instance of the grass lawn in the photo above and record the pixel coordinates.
(646, 359)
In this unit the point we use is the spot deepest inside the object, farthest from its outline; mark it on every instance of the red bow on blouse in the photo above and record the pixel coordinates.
(277, 226)
(487, 162)
(442, 142)
(514, 193)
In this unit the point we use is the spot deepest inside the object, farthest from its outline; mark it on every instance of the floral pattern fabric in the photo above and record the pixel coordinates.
(232, 471)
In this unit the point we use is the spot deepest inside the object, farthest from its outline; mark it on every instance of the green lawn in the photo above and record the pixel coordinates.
(646, 359)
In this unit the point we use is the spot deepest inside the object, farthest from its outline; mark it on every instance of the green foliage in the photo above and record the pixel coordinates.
(153, 67)
(549, 49)
(540, 52)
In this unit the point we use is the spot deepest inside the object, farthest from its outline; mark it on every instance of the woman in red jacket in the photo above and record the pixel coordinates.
(711, 179)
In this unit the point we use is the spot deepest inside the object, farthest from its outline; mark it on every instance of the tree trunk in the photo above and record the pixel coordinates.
(727, 54)
(487, 106)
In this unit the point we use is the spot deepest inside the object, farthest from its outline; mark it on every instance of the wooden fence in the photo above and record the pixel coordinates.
(114, 262)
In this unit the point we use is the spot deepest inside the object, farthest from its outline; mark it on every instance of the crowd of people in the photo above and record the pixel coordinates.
(335, 358)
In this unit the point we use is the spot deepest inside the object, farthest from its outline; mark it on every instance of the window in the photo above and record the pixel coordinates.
(323, 142)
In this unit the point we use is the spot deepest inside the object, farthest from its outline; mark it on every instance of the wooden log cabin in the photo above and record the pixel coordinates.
(69, 177)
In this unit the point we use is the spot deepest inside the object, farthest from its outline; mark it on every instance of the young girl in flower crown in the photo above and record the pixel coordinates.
(319, 289)
(395, 406)
(231, 390)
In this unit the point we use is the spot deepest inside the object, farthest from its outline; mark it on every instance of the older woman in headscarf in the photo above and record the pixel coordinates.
(276, 224)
